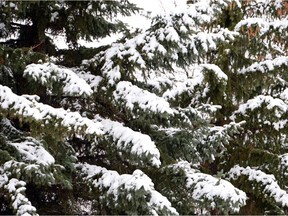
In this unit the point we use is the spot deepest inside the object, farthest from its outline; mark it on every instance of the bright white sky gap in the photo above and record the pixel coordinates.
(135, 21)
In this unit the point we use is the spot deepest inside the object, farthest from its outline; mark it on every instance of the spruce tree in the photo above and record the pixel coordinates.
(185, 117)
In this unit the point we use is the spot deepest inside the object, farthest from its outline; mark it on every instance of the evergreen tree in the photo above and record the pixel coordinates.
(185, 117)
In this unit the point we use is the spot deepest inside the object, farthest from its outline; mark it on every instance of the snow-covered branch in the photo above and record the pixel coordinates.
(132, 142)
(268, 182)
(205, 12)
(165, 43)
(266, 66)
(33, 111)
(46, 174)
(16, 190)
(91, 79)
(262, 26)
(195, 82)
(48, 73)
(271, 103)
(32, 151)
(133, 193)
(127, 140)
(283, 166)
(209, 191)
(132, 95)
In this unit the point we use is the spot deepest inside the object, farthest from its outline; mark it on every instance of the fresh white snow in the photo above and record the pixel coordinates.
(116, 184)
(133, 95)
(267, 181)
(205, 187)
(135, 142)
(48, 73)
(42, 112)
(33, 151)
(20, 203)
